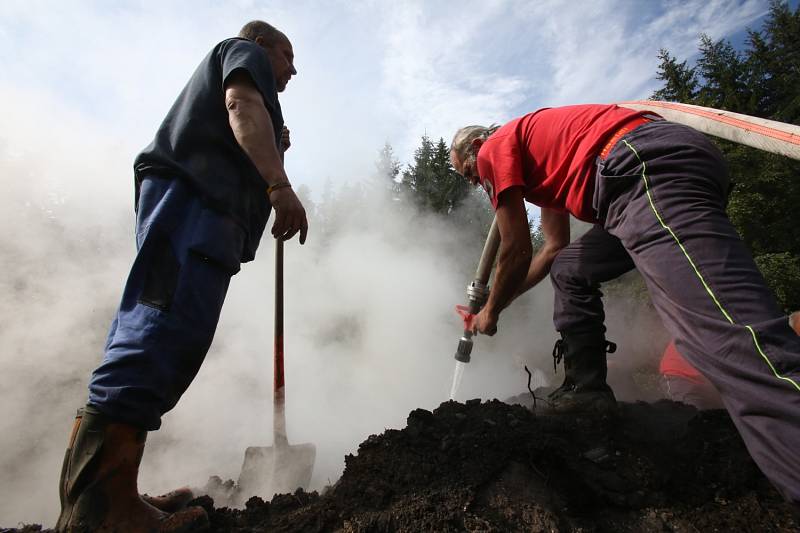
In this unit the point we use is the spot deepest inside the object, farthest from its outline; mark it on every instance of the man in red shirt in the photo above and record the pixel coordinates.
(656, 192)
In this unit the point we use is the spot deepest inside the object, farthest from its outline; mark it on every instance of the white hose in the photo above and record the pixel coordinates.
(768, 135)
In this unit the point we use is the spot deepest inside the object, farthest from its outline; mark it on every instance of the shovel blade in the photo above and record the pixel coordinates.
(269, 470)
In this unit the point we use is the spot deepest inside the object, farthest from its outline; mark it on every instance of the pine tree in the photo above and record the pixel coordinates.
(680, 81)
(417, 175)
(724, 77)
(431, 181)
(774, 64)
(387, 165)
(388, 169)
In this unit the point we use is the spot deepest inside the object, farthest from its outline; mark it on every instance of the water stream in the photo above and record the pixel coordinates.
(458, 373)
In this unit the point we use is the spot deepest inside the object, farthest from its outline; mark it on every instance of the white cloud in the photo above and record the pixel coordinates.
(607, 51)
(436, 73)
(370, 72)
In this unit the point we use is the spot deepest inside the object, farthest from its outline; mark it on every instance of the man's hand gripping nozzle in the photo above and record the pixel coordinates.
(477, 293)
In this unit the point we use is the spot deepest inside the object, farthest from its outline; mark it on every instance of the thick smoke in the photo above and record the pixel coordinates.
(370, 329)
(64, 248)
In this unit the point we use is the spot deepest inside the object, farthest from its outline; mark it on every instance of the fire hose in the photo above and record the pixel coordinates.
(477, 292)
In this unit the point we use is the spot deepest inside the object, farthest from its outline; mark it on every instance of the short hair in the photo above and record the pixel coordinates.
(462, 141)
(259, 28)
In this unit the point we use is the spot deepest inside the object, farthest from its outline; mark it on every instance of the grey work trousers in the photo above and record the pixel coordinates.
(660, 199)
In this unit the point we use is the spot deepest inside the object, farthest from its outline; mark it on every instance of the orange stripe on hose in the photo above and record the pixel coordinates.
(739, 123)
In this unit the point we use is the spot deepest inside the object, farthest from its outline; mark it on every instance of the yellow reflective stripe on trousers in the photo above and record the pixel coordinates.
(697, 272)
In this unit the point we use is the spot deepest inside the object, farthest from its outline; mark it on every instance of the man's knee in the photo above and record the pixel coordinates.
(567, 272)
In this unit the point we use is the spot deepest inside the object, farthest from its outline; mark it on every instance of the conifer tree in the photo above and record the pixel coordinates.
(680, 81)
(388, 169)
(431, 181)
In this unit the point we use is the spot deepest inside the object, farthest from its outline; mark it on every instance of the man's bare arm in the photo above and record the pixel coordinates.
(555, 228)
(514, 255)
(252, 127)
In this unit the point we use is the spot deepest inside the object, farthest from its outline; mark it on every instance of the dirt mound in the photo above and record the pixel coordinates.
(498, 467)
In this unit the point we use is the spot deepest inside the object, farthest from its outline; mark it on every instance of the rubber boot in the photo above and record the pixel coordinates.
(98, 485)
(172, 501)
(585, 368)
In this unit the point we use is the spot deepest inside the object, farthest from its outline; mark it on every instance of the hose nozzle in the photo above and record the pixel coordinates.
(464, 348)
(477, 293)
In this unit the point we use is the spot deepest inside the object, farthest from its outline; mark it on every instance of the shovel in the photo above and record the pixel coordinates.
(282, 467)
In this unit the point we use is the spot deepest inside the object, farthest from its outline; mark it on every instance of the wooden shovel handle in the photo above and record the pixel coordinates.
(279, 399)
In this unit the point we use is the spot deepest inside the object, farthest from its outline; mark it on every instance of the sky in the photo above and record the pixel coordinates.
(370, 72)
(370, 330)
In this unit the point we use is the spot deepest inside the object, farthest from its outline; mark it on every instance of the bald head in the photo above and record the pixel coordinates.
(269, 34)
(277, 47)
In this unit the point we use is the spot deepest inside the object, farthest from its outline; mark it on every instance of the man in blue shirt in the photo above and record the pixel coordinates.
(204, 189)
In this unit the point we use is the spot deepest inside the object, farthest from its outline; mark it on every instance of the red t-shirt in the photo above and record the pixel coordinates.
(551, 153)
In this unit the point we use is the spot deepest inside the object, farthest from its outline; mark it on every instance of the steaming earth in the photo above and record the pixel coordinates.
(493, 466)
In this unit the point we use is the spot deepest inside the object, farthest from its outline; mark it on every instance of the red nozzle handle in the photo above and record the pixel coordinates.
(466, 316)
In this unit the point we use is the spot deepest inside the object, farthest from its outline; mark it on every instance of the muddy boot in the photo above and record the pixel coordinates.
(98, 485)
(172, 501)
(584, 388)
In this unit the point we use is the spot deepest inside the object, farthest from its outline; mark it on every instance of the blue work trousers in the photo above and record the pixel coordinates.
(186, 255)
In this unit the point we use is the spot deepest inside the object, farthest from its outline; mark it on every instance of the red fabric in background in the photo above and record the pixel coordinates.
(673, 364)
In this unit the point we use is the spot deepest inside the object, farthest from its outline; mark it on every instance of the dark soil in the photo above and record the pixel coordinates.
(498, 467)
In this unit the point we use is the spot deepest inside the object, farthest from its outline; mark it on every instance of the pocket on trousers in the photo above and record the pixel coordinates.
(611, 180)
(160, 276)
(218, 239)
